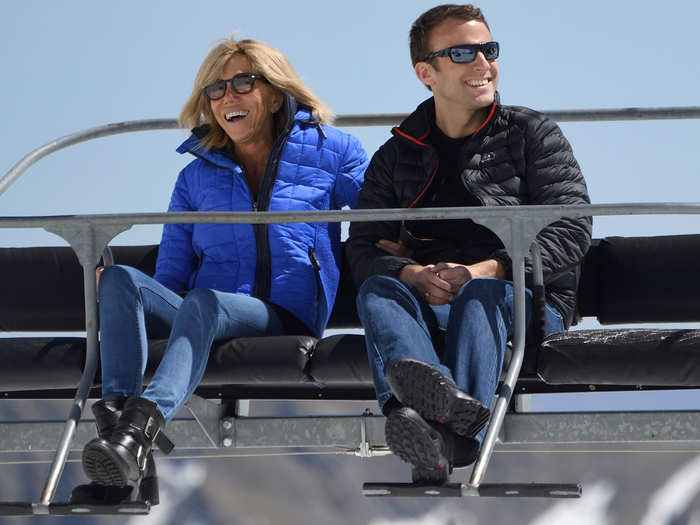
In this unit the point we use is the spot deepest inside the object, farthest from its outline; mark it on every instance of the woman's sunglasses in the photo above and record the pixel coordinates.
(241, 83)
(465, 53)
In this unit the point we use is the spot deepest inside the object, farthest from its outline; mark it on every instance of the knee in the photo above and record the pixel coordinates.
(116, 278)
(203, 300)
(484, 290)
(380, 285)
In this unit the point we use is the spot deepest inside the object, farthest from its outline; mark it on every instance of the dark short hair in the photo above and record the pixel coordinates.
(424, 24)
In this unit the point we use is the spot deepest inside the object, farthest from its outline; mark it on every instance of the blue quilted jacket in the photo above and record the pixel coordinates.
(295, 266)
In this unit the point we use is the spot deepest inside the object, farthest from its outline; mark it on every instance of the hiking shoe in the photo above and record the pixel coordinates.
(431, 448)
(435, 397)
(415, 441)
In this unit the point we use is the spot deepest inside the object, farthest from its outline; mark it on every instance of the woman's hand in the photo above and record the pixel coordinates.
(425, 279)
(394, 248)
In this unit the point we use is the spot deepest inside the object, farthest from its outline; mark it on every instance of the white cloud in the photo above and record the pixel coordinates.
(674, 496)
(590, 509)
(439, 516)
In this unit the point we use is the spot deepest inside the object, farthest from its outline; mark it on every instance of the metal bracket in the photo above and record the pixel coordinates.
(364, 450)
(516, 233)
(209, 417)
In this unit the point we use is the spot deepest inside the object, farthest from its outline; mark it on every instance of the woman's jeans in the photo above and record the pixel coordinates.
(478, 323)
(135, 307)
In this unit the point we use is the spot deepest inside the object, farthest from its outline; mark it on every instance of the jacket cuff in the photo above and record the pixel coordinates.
(390, 265)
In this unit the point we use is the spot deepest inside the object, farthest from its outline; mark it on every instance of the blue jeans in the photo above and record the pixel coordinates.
(477, 324)
(135, 307)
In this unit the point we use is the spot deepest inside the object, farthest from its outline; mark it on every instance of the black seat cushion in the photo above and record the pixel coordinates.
(621, 357)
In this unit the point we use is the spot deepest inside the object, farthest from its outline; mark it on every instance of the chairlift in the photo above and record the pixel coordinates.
(52, 289)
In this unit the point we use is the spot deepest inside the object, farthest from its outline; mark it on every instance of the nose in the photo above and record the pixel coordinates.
(229, 93)
(480, 61)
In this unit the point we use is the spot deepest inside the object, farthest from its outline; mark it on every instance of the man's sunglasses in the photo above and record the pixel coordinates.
(466, 53)
(241, 83)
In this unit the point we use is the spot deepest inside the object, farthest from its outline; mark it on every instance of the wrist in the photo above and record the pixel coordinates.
(499, 269)
(407, 272)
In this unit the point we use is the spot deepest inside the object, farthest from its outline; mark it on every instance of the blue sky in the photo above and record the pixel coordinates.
(73, 65)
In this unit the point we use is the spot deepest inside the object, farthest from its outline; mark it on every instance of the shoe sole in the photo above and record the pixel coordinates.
(428, 392)
(102, 465)
(415, 444)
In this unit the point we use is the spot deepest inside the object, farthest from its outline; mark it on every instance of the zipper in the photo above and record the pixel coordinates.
(319, 285)
(314, 259)
(263, 277)
(195, 275)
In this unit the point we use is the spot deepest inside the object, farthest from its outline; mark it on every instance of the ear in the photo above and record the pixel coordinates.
(425, 73)
(277, 101)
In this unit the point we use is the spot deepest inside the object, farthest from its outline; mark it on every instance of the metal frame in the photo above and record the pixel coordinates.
(517, 227)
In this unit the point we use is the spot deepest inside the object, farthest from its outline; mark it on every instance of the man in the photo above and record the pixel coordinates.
(421, 278)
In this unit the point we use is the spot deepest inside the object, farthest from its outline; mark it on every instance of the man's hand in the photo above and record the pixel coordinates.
(458, 274)
(438, 283)
(394, 248)
(425, 279)
(455, 274)
(98, 272)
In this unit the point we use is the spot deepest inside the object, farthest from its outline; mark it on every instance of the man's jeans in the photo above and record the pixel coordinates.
(134, 307)
(478, 323)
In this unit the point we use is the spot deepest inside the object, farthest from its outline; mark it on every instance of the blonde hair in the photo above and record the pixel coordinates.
(265, 60)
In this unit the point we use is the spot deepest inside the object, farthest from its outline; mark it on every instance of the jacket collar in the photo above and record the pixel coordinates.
(216, 156)
(416, 127)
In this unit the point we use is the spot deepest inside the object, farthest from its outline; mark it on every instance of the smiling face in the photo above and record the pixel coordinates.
(247, 119)
(460, 87)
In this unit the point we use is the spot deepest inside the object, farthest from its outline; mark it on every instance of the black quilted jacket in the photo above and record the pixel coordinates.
(517, 157)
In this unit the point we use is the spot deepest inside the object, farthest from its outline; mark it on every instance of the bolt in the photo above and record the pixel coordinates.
(227, 424)
(228, 442)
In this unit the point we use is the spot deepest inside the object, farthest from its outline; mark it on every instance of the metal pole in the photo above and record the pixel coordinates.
(75, 138)
(87, 253)
(562, 115)
(519, 331)
(379, 119)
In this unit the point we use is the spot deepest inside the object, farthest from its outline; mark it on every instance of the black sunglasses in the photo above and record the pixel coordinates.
(466, 53)
(241, 83)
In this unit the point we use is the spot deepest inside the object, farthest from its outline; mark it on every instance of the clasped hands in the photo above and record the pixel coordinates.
(439, 283)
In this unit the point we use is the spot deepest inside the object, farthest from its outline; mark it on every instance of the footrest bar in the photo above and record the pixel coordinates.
(529, 490)
(27, 508)
(81, 509)
(16, 508)
(412, 490)
(459, 490)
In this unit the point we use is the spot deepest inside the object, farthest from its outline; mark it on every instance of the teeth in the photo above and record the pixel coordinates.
(477, 83)
(233, 114)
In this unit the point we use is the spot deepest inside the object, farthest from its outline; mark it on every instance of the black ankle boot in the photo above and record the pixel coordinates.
(107, 413)
(123, 458)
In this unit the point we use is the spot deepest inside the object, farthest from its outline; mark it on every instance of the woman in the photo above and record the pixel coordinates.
(261, 143)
